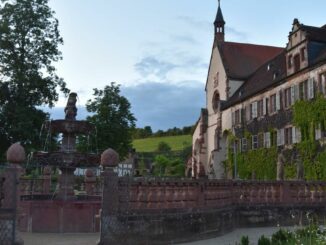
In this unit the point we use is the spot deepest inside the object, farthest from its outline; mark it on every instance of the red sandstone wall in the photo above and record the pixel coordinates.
(59, 216)
(158, 195)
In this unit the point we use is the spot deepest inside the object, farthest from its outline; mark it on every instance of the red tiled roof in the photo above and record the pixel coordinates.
(241, 59)
(261, 79)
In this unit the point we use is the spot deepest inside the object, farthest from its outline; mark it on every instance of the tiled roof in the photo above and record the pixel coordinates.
(268, 74)
(315, 33)
(241, 59)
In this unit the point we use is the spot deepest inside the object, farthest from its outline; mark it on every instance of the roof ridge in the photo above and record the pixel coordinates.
(253, 44)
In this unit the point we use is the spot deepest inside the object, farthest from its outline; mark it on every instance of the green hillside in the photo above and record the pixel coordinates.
(177, 143)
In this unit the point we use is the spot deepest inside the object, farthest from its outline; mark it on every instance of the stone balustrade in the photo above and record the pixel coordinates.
(159, 194)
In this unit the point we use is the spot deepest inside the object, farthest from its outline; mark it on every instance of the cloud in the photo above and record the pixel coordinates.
(195, 23)
(170, 66)
(236, 35)
(150, 65)
(164, 106)
(184, 39)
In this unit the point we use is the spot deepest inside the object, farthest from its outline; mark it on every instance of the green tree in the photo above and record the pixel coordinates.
(163, 147)
(112, 118)
(29, 40)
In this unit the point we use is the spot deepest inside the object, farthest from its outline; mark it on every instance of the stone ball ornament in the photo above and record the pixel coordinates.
(109, 158)
(16, 154)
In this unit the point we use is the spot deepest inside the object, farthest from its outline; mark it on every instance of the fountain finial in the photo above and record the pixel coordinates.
(71, 109)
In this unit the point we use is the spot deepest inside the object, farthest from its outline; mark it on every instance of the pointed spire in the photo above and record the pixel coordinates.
(219, 24)
(219, 16)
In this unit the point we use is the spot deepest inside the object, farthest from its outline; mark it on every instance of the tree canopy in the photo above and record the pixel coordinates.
(113, 119)
(29, 40)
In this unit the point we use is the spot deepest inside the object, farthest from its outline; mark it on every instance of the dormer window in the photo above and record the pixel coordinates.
(268, 67)
(290, 61)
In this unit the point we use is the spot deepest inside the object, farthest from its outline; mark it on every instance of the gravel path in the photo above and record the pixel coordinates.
(234, 237)
(60, 239)
(91, 238)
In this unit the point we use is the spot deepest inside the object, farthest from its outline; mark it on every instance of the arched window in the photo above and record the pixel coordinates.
(216, 101)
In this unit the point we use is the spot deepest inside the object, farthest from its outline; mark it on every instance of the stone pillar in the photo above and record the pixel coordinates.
(110, 198)
(90, 181)
(15, 156)
(47, 180)
(66, 184)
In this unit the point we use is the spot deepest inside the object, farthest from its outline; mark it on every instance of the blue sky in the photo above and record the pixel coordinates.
(159, 50)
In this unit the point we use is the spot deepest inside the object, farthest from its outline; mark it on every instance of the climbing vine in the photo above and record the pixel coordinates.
(261, 163)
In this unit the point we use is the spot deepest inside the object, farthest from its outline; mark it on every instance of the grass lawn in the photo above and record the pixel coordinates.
(177, 143)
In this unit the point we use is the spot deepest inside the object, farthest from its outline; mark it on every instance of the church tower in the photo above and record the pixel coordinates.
(219, 24)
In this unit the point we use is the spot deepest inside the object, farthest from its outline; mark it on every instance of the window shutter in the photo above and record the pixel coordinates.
(318, 133)
(294, 136)
(292, 95)
(296, 92)
(264, 106)
(278, 101)
(233, 118)
(248, 112)
(298, 135)
(280, 137)
(267, 139)
(311, 88)
(254, 109)
(323, 83)
(240, 115)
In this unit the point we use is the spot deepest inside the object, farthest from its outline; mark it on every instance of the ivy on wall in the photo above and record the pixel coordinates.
(261, 163)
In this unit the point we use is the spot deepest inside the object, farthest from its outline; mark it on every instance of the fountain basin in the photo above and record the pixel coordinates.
(69, 126)
(67, 159)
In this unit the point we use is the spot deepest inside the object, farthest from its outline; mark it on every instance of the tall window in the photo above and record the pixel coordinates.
(303, 90)
(237, 117)
(216, 101)
(290, 61)
(296, 60)
(260, 108)
(288, 135)
(261, 140)
(272, 103)
(303, 54)
(254, 142)
(287, 98)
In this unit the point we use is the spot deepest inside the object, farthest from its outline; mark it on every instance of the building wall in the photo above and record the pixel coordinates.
(213, 166)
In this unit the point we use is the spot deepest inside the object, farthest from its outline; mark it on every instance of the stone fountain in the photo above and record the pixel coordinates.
(67, 159)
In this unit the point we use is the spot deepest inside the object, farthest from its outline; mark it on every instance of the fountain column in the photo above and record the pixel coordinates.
(67, 177)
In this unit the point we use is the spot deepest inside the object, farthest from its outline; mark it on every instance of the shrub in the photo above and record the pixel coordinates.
(244, 240)
(264, 241)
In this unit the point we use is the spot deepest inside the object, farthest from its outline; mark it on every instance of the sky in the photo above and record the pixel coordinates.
(159, 50)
